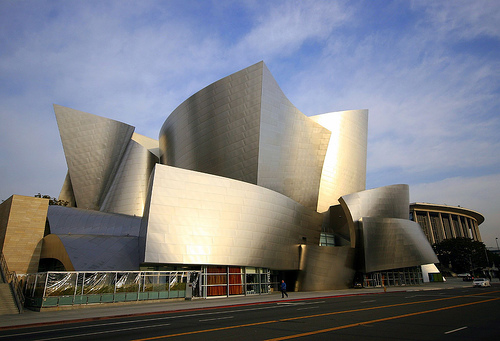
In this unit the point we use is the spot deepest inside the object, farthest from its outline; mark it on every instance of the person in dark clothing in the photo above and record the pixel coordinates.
(283, 289)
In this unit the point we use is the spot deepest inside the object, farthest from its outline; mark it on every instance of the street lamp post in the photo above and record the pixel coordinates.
(496, 239)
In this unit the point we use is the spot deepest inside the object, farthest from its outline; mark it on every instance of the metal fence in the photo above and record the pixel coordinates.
(11, 278)
(52, 289)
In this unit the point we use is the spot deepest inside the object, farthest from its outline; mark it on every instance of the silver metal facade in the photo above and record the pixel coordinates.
(69, 220)
(128, 190)
(384, 234)
(93, 252)
(96, 240)
(292, 147)
(390, 243)
(216, 130)
(93, 147)
(243, 127)
(245, 179)
(344, 168)
(198, 218)
(324, 267)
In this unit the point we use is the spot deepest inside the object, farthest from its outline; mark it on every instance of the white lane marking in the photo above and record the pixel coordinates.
(79, 327)
(217, 318)
(279, 305)
(367, 301)
(103, 332)
(142, 320)
(455, 330)
(307, 308)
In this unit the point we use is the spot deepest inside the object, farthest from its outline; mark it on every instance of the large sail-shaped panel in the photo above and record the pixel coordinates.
(93, 147)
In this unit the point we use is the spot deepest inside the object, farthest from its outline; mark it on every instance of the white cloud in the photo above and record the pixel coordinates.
(281, 30)
(462, 18)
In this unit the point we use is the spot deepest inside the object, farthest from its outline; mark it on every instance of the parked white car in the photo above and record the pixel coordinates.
(481, 282)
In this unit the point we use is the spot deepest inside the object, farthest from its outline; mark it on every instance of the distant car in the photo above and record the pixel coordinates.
(466, 277)
(481, 282)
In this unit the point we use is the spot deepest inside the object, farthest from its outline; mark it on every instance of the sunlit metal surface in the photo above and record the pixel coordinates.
(243, 127)
(243, 176)
(197, 218)
(344, 169)
(390, 243)
(93, 147)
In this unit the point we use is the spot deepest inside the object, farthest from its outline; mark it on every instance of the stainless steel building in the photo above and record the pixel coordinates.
(240, 185)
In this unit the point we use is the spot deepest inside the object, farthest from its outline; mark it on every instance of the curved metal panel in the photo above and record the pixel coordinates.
(52, 247)
(383, 202)
(93, 147)
(128, 190)
(390, 243)
(292, 147)
(197, 218)
(68, 220)
(216, 130)
(326, 268)
(344, 169)
(243, 127)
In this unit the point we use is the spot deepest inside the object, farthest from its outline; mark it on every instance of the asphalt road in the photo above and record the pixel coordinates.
(458, 314)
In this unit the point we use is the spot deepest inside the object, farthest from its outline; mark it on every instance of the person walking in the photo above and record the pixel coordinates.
(283, 289)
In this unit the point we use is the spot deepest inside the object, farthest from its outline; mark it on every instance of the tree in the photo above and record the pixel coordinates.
(52, 201)
(462, 254)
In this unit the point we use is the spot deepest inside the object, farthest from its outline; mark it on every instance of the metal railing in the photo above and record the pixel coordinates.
(11, 278)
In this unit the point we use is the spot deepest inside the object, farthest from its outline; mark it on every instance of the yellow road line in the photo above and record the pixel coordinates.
(375, 321)
(326, 314)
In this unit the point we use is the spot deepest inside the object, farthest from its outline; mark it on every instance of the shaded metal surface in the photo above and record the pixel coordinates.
(66, 193)
(344, 168)
(68, 220)
(383, 202)
(92, 240)
(326, 268)
(93, 147)
(197, 218)
(384, 236)
(390, 243)
(92, 252)
(128, 190)
(243, 127)
(216, 130)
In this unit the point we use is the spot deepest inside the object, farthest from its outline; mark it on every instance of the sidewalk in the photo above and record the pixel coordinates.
(103, 311)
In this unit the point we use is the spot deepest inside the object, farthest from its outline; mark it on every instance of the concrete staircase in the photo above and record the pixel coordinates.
(7, 301)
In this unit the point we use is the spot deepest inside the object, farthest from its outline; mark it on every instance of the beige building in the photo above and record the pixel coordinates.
(441, 222)
(22, 226)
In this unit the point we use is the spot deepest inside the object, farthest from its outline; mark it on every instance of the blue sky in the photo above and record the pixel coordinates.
(428, 71)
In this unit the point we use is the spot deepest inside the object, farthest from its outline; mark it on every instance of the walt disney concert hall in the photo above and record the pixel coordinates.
(241, 187)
